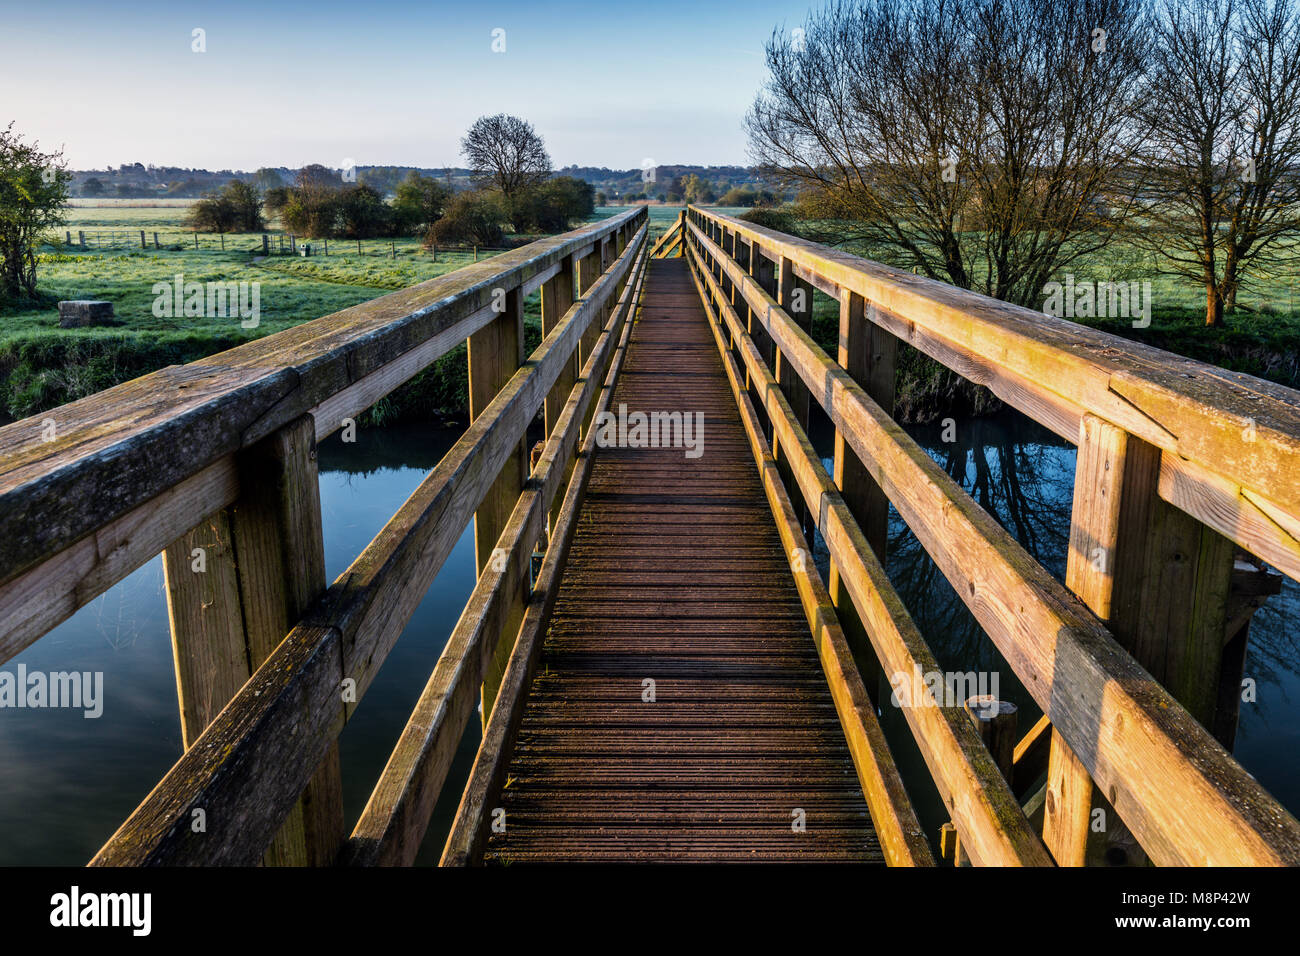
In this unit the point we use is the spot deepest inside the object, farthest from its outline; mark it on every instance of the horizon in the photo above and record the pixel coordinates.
(169, 105)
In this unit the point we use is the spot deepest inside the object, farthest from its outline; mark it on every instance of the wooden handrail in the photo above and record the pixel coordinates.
(251, 764)
(992, 826)
(1183, 796)
(127, 470)
(1230, 441)
(396, 816)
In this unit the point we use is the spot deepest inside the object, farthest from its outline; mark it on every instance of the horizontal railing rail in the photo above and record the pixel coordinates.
(1229, 441)
(1182, 795)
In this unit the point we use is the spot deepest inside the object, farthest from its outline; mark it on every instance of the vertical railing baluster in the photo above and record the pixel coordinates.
(236, 584)
(495, 353)
(1160, 579)
(868, 353)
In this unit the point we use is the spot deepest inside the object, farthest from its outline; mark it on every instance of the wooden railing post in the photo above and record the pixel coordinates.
(1160, 579)
(867, 352)
(557, 298)
(236, 585)
(796, 298)
(589, 269)
(495, 353)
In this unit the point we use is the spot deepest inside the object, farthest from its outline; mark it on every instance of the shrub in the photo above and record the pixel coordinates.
(472, 218)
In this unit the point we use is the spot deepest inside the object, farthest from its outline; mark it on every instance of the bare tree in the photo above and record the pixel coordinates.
(981, 141)
(1223, 163)
(506, 152)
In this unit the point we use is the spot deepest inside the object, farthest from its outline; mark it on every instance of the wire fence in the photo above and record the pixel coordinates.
(255, 244)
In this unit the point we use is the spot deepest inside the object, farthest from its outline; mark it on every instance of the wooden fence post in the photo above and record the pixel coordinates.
(868, 353)
(236, 585)
(796, 298)
(142, 240)
(1160, 579)
(495, 353)
(588, 271)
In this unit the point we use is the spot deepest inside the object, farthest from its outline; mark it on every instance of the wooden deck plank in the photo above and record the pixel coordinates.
(677, 574)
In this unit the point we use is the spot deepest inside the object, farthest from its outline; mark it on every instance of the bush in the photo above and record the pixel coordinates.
(553, 205)
(237, 207)
(772, 219)
(361, 213)
(419, 202)
(472, 218)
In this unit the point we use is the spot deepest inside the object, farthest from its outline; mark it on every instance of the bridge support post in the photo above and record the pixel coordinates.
(236, 584)
(589, 270)
(1161, 581)
(557, 299)
(495, 353)
(796, 298)
(762, 271)
(868, 353)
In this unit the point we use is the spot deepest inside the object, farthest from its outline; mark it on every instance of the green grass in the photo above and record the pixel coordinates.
(43, 365)
(1262, 338)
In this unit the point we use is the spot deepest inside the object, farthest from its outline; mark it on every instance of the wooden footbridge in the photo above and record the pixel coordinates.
(663, 672)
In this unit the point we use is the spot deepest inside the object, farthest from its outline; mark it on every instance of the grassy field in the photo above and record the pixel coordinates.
(42, 365)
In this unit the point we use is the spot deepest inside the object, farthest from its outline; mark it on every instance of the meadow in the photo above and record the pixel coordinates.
(42, 365)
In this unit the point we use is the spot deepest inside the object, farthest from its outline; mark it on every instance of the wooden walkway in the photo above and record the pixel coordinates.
(677, 575)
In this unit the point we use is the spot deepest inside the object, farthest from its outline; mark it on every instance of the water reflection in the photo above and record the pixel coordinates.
(67, 783)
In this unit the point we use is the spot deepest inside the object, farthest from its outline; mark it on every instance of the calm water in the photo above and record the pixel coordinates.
(66, 782)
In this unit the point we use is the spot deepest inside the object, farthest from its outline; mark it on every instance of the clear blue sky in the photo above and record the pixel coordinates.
(382, 82)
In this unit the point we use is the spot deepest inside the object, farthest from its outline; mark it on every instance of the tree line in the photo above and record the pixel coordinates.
(514, 185)
(994, 144)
